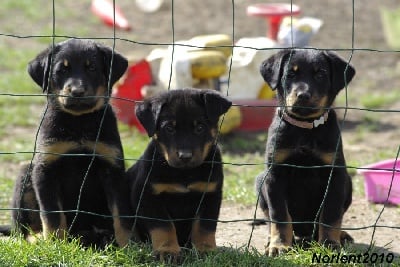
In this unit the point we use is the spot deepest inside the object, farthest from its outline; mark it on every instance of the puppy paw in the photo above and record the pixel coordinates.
(331, 244)
(34, 238)
(203, 248)
(276, 250)
(168, 256)
(346, 238)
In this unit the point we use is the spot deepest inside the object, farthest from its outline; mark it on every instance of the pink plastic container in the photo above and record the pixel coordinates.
(377, 179)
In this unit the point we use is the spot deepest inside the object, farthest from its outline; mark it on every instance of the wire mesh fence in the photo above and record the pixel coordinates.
(367, 108)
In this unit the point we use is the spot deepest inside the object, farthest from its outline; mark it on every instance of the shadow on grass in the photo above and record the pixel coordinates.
(371, 254)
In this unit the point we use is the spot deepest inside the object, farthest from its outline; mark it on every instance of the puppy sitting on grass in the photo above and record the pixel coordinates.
(177, 182)
(77, 176)
(306, 178)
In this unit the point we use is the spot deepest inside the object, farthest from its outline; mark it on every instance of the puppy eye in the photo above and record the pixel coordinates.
(199, 128)
(290, 74)
(169, 128)
(62, 69)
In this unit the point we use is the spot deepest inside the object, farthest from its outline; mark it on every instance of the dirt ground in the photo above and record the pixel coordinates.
(377, 72)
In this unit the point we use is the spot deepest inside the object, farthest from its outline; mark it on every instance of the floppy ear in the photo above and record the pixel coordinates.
(341, 72)
(215, 104)
(272, 68)
(114, 61)
(147, 113)
(39, 67)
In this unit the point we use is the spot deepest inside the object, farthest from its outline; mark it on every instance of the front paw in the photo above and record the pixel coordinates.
(346, 238)
(168, 255)
(331, 244)
(276, 250)
(165, 244)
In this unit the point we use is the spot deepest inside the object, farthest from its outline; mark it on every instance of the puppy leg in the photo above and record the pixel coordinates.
(54, 226)
(54, 222)
(281, 236)
(261, 193)
(117, 193)
(165, 242)
(329, 232)
(203, 231)
(203, 239)
(274, 207)
(281, 229)
(25, 217)
(330, 235)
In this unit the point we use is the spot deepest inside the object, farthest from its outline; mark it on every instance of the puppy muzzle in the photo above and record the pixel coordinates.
(184, 159)
(75, 98)
(302, 103)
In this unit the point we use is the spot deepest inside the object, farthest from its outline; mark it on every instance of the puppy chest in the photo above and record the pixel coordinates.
(78, 152)
(184, 188)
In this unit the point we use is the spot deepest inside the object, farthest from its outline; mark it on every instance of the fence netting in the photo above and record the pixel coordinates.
(342, 31)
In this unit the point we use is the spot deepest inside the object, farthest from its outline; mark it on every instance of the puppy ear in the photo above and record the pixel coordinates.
(114, 61)
(215, 104)
(39, 67)
(147, 113)
(272, 68)
(341, 72)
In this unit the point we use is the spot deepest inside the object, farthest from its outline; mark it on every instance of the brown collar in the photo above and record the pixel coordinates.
(306, 124)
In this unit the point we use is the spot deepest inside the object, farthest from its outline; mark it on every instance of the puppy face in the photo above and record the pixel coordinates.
(307, 80)
(75, 74)
(184, 123)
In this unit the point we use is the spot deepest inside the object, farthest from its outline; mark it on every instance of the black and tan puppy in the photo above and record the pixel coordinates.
(304, 142)
(78, 168)
(177, 183)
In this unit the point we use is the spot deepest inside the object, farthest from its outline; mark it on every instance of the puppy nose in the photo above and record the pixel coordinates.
(185, 155)
(303, 96)
(77, 91)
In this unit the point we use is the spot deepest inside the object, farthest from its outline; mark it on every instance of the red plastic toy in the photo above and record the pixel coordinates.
(273, 14)
(129, 90)
(257, 114)
(105, 11)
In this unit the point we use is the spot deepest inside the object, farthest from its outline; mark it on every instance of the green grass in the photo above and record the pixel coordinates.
(61, 253)
(379, 100)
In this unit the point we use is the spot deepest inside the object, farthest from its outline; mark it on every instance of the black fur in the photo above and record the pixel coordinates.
(182, 152)
(298, 159)
(79, 153)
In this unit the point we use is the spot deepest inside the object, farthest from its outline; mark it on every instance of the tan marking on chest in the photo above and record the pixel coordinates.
(159, 188)
(205, 187)
(281, 155)
(108, 152)
(53, 152)
(327, 157)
